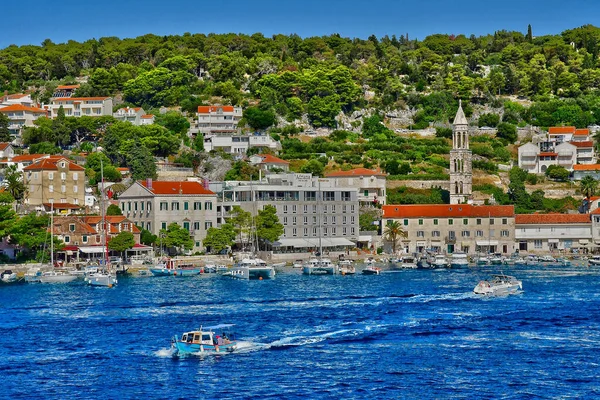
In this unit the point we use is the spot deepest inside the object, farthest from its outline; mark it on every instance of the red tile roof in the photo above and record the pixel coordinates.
(270, 159)
(4, 145)
(446, 211)
(355, 172)
(51, 163)
(214, 109)
(582, 132)
(67, 87)
(561, 130)
(147, 116)
(174, 187)
(552, 219)
(28, 157)
(62, 206)
(586, 167)
(583, 144)
(15, 96)
(19, 107)
(549, 153)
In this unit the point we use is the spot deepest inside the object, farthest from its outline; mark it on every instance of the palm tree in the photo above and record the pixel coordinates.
(588, 186)
(394, 231)
(14, 183)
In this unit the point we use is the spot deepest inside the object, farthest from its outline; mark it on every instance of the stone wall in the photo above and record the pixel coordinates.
(419, 184)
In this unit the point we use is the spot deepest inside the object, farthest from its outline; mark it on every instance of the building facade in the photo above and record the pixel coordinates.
(461, 172)
(371, 184)
(453, 227)
(128, 114)
(20, 116)
(218, 119)
(154, 205)
(80, 106)
(544, 233)
(54, 180)
(314, 212)
(268, 163)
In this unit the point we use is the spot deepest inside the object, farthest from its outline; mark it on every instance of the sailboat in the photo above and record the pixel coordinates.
(319, 265)
(251, 266)
(103, 276)
(53, 276)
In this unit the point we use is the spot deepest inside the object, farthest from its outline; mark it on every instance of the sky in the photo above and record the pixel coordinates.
(26, 23)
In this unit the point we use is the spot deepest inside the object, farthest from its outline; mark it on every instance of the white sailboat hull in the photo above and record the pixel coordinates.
(57, 278)
(101, 279)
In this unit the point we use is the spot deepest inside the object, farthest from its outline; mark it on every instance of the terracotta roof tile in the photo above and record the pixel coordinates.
(28, 157)
(268, 158)
(63, 206)
(79, 98)
(176, 187)
(446, 211)
(355, 172)
(548, 154)
(4, 145)
(147, 116)
(561, 130)
(586, 167)
(51, 164)
(552, 219)
(582, 132)
(67, 87)
(214, 109)
(587, 143)
(19, 107)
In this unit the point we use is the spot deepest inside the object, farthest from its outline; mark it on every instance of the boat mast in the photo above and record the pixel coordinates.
(320, 209)
(52, 234)
(104, 239)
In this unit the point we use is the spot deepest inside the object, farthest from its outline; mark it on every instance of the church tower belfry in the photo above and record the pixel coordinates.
(461, 172)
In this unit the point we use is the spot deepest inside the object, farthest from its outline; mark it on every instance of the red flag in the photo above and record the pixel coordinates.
(109, 194)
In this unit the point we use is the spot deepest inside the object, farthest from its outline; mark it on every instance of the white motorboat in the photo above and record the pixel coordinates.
(595, 260)
(319, 266)
(408, 262)
(459, 260)
(252, 268)
(8, 276)
(499, 285)
(57, 277)
(371, 269)
(102, 278)
(298, 264)
(497, 259)
(440, 261)
(346, 267)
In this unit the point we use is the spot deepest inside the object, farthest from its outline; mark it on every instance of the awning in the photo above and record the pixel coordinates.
(92, 249)
(583, 241)
(365, 238)
(553, 240)
(313, 242)
(487, 243)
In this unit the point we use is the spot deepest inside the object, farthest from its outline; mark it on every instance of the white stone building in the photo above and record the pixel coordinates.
(268, 162)
(461, 172)
(154, 205)
(20, 116)
(128, 114)
(80, 106)
(544, 233)
(371, 184)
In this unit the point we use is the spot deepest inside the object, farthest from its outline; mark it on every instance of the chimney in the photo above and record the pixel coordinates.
(149, 183)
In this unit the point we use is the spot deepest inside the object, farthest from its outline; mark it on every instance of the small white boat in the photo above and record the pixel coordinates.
(595, 260)
(496, 259)
(101, 278)
(459, 260)
(346, 267)
(408, 262)
(371, 269)
(57, 277)
(7, 276)
(499, 285)
(440, 261)
(216, 339)
(298, 264)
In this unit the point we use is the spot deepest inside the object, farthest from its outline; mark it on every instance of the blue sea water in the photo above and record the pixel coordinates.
(412, 334)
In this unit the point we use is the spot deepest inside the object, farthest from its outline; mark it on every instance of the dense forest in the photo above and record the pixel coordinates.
(323, 76)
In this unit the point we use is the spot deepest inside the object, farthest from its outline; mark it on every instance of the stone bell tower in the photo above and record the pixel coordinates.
(461, 172)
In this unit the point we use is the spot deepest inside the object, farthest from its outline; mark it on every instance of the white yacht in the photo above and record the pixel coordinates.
(440, 261)
(8, 276)
(408, 262)
(459, 260)
(499, 285)
(57, 276)
(252, 268)
(595, 260)
(319, 266)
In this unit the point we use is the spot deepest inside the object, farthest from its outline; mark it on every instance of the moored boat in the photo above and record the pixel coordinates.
(595, 261)
(440, 261)
(408, 262)
(57, 276)
(319, 266)
(216, 339)
(8, 276)
(371, 269)
(346, 267)
(252, 268)
(459, 260)
(33, 275)
(499, 285)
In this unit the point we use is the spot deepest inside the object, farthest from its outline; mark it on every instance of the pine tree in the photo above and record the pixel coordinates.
(529, 35)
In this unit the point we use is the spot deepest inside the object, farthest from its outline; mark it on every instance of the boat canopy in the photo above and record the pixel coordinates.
(217, 327)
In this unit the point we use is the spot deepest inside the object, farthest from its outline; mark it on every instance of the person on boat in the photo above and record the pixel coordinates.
(219, 341)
